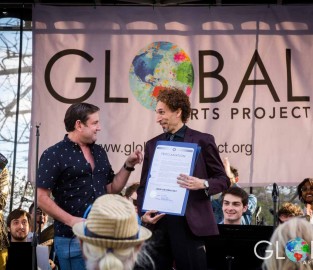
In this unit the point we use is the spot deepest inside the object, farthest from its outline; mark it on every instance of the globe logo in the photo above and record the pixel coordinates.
(158, 66)
(297, 250)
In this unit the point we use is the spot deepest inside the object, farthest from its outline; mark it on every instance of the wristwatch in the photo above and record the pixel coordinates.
(130, 169)
(206, 184)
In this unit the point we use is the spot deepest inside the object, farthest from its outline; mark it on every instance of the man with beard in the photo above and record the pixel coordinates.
(18, 222)
(20, 251)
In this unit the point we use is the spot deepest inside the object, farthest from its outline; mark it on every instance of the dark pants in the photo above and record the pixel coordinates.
(172, 243)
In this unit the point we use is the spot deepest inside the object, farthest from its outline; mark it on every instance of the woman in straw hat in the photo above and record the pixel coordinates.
(110, 236)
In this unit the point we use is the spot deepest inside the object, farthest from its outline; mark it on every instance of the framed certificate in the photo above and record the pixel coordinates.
(162, 192)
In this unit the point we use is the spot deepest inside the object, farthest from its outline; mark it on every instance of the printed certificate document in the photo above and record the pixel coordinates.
(162, 191)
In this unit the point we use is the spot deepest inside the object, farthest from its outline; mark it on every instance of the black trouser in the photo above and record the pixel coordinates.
(172, 243)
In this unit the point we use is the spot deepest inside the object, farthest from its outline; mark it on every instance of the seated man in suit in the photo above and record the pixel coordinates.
(235, 204)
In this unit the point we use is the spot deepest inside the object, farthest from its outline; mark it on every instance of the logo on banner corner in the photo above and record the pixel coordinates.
(157, 66)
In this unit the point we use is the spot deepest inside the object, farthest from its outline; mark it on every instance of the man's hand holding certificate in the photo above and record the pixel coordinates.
(190, 182)
(171, 161)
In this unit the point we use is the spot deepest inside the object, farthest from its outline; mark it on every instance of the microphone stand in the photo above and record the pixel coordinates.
(275, 195)
(35, 240)
(257, 215)
(24, 193)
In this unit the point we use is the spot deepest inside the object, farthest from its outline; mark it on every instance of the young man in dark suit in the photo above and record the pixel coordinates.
(181, 239)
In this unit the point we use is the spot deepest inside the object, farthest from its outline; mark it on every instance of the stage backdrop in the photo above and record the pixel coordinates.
(247, 70)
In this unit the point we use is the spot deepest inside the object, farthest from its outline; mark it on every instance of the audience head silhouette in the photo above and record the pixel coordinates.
(111, 236)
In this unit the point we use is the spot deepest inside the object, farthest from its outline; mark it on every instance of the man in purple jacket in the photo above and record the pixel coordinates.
(181, 239)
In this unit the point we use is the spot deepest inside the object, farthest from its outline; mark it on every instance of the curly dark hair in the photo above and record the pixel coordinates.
(176, 99)
(299, 187)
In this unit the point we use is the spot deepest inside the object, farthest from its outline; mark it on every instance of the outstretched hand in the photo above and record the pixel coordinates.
(152, 217)
(135, 158)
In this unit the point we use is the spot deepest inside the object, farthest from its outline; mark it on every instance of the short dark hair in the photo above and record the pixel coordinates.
(78, 111)
(17, 213)
(239, 192)
(176, 99)
(299, 187)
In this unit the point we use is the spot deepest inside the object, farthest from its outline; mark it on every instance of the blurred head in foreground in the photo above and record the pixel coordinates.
(288, 237)
(111, 237)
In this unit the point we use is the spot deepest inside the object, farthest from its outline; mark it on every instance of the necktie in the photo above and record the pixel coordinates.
(172, 137)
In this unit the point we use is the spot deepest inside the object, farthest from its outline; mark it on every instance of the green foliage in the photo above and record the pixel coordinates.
(265, 200)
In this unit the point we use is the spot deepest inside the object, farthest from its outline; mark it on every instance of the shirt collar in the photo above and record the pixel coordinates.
(74, 144)
(179, 133)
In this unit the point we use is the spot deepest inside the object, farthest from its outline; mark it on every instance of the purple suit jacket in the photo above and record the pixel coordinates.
(199, 213)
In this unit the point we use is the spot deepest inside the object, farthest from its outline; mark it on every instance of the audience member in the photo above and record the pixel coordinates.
(42, 219)
(182, 238)
(305, 194)
(131, 193)
(235, 204)
(4, 192)
(110, 236)
(77, 171)
(44, 234)
(20, 251)
(290, 230)
(233, 175)
(287, 211)
(18, 223)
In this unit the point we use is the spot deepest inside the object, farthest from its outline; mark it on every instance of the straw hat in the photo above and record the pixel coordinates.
(112, 223)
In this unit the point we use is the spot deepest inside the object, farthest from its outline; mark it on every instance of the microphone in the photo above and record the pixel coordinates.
(3, 162)
(275, 195)
(258, 211)
(275, 192)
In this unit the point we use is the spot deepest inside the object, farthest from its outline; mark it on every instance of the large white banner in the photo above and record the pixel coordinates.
(247, 71)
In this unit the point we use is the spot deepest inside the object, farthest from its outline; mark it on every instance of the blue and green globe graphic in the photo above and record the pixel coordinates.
(297, 250)
(158, 66)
